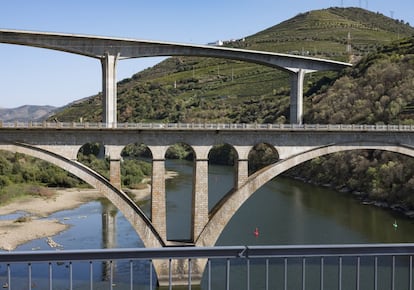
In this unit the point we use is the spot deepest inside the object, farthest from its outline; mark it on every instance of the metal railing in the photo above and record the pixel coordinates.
(204, 126)
(366, 266)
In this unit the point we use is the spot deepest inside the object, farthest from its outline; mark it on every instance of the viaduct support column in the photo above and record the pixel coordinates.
(296, 96)
(109, 98)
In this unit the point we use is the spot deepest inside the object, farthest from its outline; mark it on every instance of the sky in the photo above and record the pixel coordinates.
(34, 76)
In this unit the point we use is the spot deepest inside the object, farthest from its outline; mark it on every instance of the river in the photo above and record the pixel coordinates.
(287, 211)
(284, 211)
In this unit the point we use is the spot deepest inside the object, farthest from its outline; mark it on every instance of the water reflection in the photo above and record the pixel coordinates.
(109, 212)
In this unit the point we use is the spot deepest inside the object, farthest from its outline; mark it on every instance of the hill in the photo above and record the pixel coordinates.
(377, 90)
(26, 113)
(325, 32)
(191, 89)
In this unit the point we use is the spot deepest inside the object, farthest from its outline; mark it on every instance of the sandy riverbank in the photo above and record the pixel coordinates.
(37, 226)
(14, 233)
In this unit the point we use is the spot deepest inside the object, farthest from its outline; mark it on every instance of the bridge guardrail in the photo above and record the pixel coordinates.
(372, 264)
(205, 126)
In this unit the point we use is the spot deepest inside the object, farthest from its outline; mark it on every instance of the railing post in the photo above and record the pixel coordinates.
(410, 275)
(9, 286)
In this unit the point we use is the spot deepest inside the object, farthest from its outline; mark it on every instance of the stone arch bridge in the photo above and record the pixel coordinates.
(59, 144)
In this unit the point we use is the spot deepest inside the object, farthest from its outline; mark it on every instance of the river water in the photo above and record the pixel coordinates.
(284, 211)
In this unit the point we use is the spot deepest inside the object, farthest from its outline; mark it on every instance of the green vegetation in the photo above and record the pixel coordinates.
(378, 90)
(374, 174)
(133, 171)
(18, 168)
(21, 175)
(15, 191)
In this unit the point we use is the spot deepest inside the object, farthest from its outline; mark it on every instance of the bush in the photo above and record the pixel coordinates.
(4, 181)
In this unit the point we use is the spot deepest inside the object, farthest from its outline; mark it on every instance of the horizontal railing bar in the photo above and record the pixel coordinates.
(203, 126)
(120, 254)
(355, 250)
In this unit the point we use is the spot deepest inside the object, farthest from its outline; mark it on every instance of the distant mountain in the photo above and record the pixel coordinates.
(26, 113)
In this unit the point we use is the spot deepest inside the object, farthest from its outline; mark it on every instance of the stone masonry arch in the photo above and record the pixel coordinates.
(265, 153)
(221, 154)
(131, 211)
(221, 215)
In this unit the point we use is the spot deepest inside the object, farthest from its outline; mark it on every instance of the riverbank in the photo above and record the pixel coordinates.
(33, 223)
(365, 198)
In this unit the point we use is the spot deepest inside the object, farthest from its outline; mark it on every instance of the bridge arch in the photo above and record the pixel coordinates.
(131, 211)
(130, 175)
(181, 230)
(221, 154)
(261, 155)
(224, 211)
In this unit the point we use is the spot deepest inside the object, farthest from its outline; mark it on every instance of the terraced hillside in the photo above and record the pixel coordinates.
(191, 89)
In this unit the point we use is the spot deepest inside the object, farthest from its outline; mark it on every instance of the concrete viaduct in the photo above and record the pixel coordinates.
(110, 50)
(59, 144)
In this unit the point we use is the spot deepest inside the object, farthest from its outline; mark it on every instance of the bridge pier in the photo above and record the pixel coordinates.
(242, 172)
(179, 271)
(109, 97)
(200, 197)
(241, 165)
(115, 173)
(296, 96)
(158, 200)
(114, 154)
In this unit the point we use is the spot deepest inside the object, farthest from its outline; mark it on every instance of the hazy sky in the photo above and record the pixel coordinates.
(43, 77)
